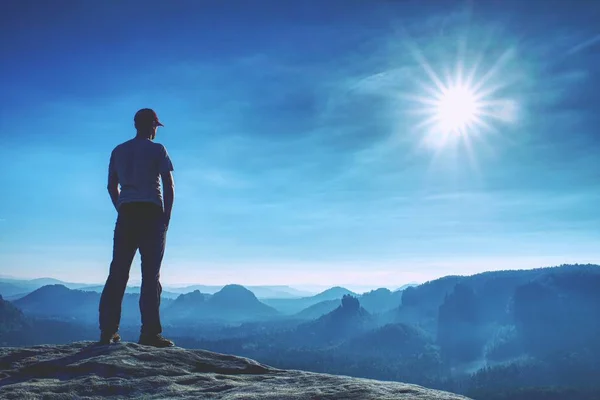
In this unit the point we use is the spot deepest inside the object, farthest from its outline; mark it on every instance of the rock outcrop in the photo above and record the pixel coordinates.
(85, 370)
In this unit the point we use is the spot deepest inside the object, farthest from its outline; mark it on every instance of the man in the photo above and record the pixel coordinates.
(142, 223)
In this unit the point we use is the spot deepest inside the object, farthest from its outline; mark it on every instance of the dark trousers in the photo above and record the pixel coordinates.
(139, 226)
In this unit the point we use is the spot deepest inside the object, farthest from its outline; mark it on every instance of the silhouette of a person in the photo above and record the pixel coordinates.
(138, 165)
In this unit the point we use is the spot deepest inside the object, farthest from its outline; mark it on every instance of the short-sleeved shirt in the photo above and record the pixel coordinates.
(138, 163)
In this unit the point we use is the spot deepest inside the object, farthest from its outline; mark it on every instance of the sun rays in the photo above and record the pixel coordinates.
(461, 105)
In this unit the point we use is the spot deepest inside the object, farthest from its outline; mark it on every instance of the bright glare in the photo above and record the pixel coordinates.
(460, 105)
(457, 108)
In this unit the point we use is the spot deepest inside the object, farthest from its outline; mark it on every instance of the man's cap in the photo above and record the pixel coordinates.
(145, 116)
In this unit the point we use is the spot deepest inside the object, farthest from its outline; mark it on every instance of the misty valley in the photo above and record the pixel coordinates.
(514, 334)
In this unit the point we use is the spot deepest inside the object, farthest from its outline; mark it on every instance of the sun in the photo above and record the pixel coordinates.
(457, 109)
(459, 106)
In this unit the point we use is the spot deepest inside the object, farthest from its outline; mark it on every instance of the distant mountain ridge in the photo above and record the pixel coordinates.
(231, 303)
(381, 300)
(260, 291)
(295, 306)
(7, 290)
(376, 301)
(59, 302)
(11, 320)
(317, 310)
(336, 292)
(346, 321)
(406, 286)
(14, 287)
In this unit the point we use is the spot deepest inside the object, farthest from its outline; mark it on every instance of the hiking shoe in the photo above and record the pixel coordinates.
(157, 340)
(108, 338)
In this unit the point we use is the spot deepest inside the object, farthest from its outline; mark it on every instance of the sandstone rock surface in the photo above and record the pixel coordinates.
(85, 370)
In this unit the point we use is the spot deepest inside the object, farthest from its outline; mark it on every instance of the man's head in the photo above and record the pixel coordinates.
(146, 121)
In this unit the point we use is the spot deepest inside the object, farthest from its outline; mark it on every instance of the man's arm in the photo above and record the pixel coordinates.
(113, 189)
(113, 183)
(169, 194)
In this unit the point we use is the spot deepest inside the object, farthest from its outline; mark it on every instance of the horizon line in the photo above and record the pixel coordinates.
(134, 282)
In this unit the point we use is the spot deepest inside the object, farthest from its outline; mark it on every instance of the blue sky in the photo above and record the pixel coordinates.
(298, 140)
